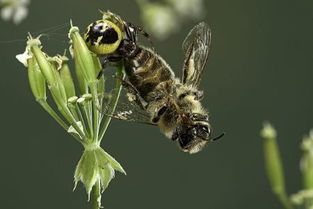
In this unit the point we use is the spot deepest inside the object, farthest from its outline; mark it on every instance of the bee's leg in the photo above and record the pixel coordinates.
(145, 34)
(107, 60)
(132, 93)
(159, 114)
(133, 30)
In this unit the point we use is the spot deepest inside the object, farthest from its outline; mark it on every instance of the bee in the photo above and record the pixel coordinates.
(173, 104)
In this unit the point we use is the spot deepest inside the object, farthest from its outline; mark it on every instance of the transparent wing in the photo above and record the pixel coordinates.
(127, 109)
(196, 47)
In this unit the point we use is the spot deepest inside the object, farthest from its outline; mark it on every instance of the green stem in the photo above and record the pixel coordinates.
(96, 199)
(56, 117)
(68, 115)
(118, 86)
(285, 200)
(95, 106)
(86, 107)
(78, 116)
(52, 113)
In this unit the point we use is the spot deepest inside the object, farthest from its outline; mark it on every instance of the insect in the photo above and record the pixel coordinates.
(173, 104)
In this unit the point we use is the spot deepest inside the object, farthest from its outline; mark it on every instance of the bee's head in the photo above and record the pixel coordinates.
(192, 138)
(193, 133)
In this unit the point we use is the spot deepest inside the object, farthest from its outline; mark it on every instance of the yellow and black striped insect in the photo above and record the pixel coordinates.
(161, 99)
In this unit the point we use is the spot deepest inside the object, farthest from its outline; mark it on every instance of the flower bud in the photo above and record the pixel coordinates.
(67, 79)
(45, 66)
(72, 100)
(82, 83)
(307, 161)
(49, 72)
(83, 56)
(36, 80)
(272, 159)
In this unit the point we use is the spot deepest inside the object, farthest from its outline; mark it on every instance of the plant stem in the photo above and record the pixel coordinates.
(56, 117)
(95, 106)
(86, 107)
(53, 114)
(118, 86)
(96, 200)
(285, 200)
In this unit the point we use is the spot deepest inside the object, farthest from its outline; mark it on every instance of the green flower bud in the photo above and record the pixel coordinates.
(67, 80)
(87, 97)
(272, 159)
(56, 64)
(81, 100)
(96, 165)
(300, 197)
(273, 164)
(49, 71)
(307, 161)
(82, 83)
(36, 80)
(45, 66)
(72, 100)
(83, 56)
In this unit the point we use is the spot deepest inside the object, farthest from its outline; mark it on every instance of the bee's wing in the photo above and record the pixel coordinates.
(127, 110)
(196, 47)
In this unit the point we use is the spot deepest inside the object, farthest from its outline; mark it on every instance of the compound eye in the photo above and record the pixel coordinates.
(194, 131)
(203, 132)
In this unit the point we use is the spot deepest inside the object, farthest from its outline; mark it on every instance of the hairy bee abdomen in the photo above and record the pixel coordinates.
(146, 70)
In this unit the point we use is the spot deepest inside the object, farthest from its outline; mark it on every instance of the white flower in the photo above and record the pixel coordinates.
(188, 8)
(22, 58)
(14, 9)
(160, 20)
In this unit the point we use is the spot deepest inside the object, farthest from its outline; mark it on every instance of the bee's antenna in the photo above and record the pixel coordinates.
(218, 137)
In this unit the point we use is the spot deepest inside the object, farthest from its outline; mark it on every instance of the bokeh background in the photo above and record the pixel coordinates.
(260, 68)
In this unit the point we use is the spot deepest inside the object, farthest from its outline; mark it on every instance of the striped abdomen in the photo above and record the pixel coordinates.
(146, 70)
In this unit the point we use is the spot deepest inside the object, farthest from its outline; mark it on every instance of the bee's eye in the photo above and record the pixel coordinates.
(203, 132)
(193, 131)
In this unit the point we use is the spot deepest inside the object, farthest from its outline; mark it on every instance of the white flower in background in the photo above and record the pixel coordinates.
(188, 8)
(159, 19)
(14, 9)
(163, 19)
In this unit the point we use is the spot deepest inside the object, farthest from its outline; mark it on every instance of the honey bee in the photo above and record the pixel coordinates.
(173, 104)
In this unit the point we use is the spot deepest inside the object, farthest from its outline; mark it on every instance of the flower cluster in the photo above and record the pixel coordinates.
(14, 9)
(78, 112)
(162, 19)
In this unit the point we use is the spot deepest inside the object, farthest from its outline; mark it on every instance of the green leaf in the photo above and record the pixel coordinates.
(96, 165)
(113, 162)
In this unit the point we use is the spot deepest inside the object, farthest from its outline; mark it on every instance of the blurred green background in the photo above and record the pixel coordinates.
(260, 68)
